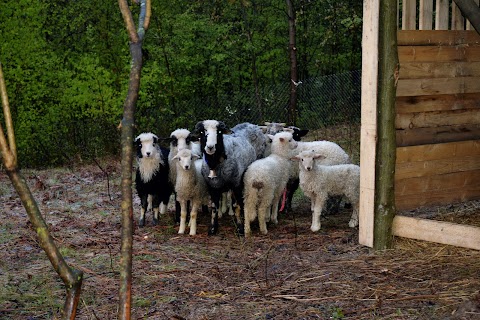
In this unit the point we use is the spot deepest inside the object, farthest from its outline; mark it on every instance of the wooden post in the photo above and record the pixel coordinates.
(388, 70)
(368, 132)
(377, 156)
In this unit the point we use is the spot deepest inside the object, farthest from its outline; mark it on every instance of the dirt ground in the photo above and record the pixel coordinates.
(291, 273)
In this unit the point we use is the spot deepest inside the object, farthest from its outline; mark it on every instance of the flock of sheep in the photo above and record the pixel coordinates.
(251, 165)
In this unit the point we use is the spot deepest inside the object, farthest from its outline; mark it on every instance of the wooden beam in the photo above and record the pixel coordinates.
(419, 136)
(440, 102)
(409, 14)
(437, 231)
(421, 87)
(436, 38)
(368, 132)
(439, 53)
(448, 69)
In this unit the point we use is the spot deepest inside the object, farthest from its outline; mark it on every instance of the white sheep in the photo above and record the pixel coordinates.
(319, 181)
(190, 186)
(265, 180)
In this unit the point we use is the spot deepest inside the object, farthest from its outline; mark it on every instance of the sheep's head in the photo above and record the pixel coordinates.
(146, 144)
(185, 159)
(307, 159)
(282, 142)
(180, 139)
(211, 134)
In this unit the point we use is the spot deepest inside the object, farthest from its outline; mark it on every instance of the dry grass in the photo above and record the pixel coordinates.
(291, 273)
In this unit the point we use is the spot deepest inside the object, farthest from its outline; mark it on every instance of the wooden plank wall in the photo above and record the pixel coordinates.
(438, 118)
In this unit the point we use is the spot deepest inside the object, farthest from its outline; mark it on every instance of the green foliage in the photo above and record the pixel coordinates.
(67, 64)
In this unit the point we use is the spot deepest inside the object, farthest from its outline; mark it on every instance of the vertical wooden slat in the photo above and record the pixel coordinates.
(426, 15)
(368, 135)
(458, 21)
(409, 15)
(441, 17)
(468, 24)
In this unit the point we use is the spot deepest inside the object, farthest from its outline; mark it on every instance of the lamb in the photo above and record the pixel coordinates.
(318, 181)
(226, 157)
(190, 186)
(180, 139)
(152, 175)
(272, 128)
(265, 180)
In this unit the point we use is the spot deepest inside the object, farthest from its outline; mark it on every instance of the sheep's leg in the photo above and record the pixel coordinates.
(213, 229)
(292, 186)
(183, 216)
(193, 218)
(238, 195)
(354, 218)
(317, 211)
(229, 204)
(275, 202)
(144, 206)
(155, 204)
(262, 212)
(223, 205)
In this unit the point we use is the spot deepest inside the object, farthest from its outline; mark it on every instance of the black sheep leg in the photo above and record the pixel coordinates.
(213, 229)
(239, 213)
(155, 205)
(144, 206)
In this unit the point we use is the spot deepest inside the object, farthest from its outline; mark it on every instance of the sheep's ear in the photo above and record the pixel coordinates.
(264, 128)
(195, 156)
(270, 136)
(199, 126)
(295, 158)
(318, 156)
(176, 157)
(223, 127)
(267, 123)
(302, 132)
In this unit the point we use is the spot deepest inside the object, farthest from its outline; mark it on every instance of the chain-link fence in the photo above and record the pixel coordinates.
(329, 106)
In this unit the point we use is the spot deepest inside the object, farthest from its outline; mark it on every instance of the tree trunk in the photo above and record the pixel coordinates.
(471, 11)
(72, 278)
(292, 49)
(127, 127)
(388, 68)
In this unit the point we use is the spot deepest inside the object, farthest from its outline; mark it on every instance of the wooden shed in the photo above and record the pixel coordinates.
(437, 119)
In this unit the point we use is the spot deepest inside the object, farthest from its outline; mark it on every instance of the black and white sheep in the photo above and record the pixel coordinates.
(319, 181)
(226, 157)
(152, 175)
(189, 186)
(265, 181)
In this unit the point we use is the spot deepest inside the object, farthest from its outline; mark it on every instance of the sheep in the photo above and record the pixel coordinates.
(273, 128)
(190, 186)
(318, 181)
(180, 139)
(152, 175)
(225, 159)
(265, 180)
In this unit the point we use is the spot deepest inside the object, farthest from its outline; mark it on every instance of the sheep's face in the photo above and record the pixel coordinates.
(180, 139)
(211, 131)
(185, 159)
(282, 142)
(146, 144)
(307, 159)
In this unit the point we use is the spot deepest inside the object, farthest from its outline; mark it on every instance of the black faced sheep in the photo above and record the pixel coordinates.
(265, 181)
(226, 157)
(318, 181)
(152, 175)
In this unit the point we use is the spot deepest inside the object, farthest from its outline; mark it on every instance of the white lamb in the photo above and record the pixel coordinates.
(265, 180)
(319, 181)
(189, 186)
